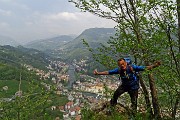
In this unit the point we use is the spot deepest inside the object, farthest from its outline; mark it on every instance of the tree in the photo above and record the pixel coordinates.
(27, 103)
(31, 105)
(146, 30)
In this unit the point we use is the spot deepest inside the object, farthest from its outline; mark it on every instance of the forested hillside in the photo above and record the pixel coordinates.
(10, 76)
(77, 50)
(12, 69)
(19, 55)
(22, 93)
(94, 36)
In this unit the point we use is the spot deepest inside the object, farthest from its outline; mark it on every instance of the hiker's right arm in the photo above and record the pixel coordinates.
(101, 73)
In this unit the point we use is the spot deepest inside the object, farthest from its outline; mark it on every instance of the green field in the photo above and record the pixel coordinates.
(13, 86)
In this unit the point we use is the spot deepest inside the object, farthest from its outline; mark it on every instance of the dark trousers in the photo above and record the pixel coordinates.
(120, 90)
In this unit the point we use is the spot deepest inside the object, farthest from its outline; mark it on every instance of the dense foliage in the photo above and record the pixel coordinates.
(146, 31)
(8, 72)
(35, 101)
(22, 94)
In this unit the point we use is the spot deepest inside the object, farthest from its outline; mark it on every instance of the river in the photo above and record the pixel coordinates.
(72, 77)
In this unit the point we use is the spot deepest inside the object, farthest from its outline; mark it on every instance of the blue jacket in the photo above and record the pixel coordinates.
(130, 80)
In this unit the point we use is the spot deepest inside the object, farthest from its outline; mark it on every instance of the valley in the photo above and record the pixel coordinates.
(63, 70)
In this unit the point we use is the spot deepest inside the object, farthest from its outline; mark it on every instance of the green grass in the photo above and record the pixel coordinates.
(58, 100)
(13, 87)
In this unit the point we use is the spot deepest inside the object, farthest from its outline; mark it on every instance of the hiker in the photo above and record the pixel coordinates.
(129, 78)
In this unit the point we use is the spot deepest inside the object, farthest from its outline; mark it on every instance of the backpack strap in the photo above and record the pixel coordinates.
(134, 72)
(128, 68)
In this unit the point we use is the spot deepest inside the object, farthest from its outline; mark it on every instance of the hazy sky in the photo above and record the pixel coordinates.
(27, 20)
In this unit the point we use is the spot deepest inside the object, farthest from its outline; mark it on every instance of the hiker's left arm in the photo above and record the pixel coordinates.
(156, 64)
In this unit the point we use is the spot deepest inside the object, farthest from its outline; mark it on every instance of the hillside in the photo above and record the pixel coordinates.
(94, 36)
(77, 50)
(50, 44)
(19, 55)
(16, 80)
(10, 76)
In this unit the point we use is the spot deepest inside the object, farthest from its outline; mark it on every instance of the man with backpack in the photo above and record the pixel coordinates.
(129, 78)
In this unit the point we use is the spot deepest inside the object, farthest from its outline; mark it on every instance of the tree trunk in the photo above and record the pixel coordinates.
(146, 96)
(155, 102)
(178, 12)
(176, 106)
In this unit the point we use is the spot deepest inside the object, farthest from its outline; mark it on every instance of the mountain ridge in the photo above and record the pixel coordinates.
(69, 48)
(93, 36)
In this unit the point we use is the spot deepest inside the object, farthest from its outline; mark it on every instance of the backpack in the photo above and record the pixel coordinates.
(128, 60)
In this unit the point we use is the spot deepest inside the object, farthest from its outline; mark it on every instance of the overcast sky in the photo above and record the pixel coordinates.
(27, 20)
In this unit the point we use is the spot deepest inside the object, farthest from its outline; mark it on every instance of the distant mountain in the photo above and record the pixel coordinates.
(4, 40)
(69, 48)
(15, 56)
(50, 44)
(94, 36)
(76, 50)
